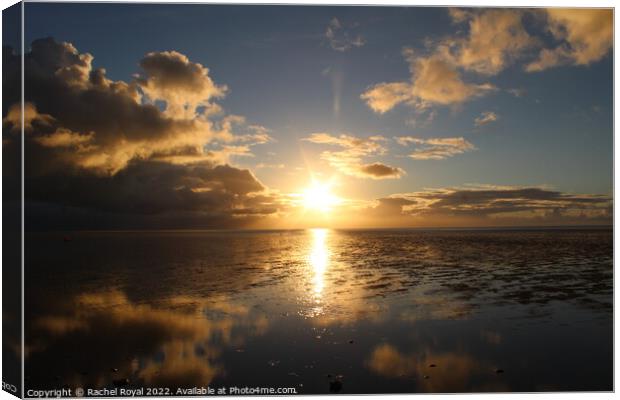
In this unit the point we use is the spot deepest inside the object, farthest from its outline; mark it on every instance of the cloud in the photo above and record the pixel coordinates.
(169, 76)
(101, 147)
(65, 138)
(459, 15)
(422, 118)
(437, 82)
(516, 92)
(31, 116)
(379, 171)
(148, 187)
(382, 97)
(585, 36)
(67, 94)
(460, 369)
(265, 165)
(496, 38)
(481, 204)
(486, 117)
(391, 205)
(349, 160)
(434, 81)
(177, 342)
(340, 39)
(436, 148)
(249, 135)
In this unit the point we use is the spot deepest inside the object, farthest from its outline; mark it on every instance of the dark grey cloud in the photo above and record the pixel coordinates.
(152, 193)
(501, 203)
(380, 171)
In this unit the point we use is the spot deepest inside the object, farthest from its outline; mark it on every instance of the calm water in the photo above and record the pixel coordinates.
(321, 310)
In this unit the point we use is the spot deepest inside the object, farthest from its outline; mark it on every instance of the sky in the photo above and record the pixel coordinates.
(204, 116)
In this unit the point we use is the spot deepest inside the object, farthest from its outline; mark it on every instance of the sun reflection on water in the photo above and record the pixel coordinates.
(319, 259)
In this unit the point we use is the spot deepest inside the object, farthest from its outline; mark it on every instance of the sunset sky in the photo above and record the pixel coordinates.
(194, 116)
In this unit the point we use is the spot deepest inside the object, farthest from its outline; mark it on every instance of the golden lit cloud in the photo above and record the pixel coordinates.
(176, 327)
(586, 36)
(382, 97)
(496, 37)
(119, 152)
(494, 40)
(436, 148)
(434, 81)
(437, 82)
(454, 371)
(64, 138)
(486, 117)
(14, 115)
(171, 77)
(120, 120)
(349, 161)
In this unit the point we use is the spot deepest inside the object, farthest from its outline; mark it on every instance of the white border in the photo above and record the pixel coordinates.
(488, 3)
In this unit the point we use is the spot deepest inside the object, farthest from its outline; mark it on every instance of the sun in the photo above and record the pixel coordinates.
(318, 197)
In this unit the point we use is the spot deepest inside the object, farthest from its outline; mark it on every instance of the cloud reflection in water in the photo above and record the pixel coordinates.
(175, 343)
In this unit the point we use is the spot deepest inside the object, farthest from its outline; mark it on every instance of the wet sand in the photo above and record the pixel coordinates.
(321, 310)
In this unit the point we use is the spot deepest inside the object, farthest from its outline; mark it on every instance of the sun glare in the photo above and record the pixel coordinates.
(319, 197)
